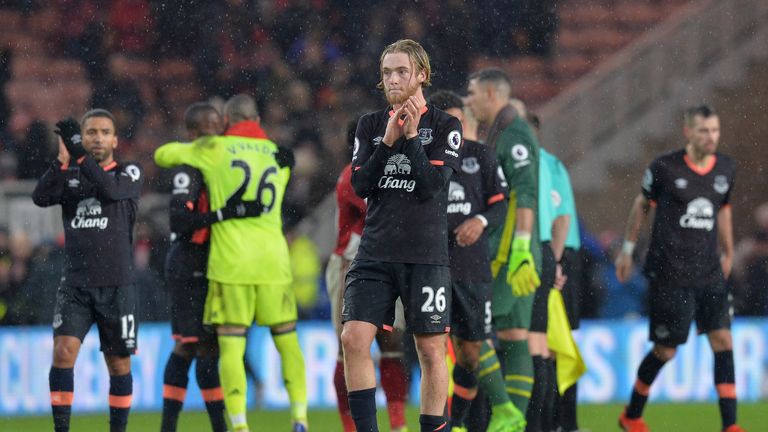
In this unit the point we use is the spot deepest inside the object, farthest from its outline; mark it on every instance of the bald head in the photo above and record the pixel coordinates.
(240, 108)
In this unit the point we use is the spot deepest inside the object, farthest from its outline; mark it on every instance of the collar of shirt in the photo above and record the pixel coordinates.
(247, 128)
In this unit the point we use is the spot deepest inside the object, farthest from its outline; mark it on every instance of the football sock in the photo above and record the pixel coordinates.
(548, 415)
(233, 381)
(566, 409)
(174, 390)
(725, 379)
(342, 398)
(518, 372)
(534, 415)
(294, 374)
(646, 374)
(490, 378)
(62, 385)
(120, 396)
(464, 392)
(431, 423)
(362, 403)
(395, 384)
(207, 374)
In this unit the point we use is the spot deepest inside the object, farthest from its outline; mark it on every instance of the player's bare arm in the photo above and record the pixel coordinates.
(637, 215)
(560, 228)
(725, 239)
(524, 221)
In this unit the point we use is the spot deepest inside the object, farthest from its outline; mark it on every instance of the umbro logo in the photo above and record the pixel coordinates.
(681, 183)
(435, 318)
(73, 183)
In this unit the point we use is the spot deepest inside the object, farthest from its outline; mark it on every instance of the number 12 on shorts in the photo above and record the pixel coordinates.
(129, 326)
(435, 299)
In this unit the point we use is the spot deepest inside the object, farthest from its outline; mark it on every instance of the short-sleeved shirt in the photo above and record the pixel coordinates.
(547, 206)
(249, 250)
(685, 231)
(350, 217)
(565, 204)
(399, 227)
(471, 190)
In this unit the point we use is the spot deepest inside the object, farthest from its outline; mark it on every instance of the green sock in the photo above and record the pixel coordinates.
(233, 381)
(294, 373)
(518, 372)
(490, 377)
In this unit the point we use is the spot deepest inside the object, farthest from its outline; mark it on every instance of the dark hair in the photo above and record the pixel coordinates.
(494, 75)
(98, 112)
(702, 110)
(445, 99)
(533, 120)
(195, 111)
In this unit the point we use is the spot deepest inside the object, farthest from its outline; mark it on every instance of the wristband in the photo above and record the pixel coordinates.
(483, 220)
(522, 241)
(628, 247)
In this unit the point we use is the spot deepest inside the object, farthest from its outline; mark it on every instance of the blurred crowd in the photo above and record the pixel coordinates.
(312, 64)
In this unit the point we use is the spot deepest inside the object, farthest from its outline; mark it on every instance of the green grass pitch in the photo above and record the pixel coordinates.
(596, 418)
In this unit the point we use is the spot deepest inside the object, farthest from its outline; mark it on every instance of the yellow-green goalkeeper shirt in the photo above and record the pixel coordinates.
(243, 251)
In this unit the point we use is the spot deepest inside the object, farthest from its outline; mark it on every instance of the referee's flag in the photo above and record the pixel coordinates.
(570, 365)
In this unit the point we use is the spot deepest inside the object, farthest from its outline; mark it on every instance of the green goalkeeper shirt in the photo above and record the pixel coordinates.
(243, 251)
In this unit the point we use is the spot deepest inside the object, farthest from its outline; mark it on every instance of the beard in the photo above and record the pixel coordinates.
(401, 97)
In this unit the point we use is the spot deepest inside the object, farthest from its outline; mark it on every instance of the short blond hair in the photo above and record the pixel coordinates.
(416, 53)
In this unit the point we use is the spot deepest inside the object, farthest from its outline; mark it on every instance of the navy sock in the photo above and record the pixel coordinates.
(725, 379)
(362, 404)
(120, 396)
(207, 373)
(465, 383)
(62, 385)
(175, 381)
(646, 374)
(431, 423)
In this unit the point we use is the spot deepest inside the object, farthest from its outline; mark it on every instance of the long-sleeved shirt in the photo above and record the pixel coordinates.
(99, 206)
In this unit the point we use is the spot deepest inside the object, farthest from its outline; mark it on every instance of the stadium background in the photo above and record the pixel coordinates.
(609, 79)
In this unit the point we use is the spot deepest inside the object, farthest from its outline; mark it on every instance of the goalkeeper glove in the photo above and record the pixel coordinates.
(236, 209)
(69, 131)
(521, 274)
(284, 157)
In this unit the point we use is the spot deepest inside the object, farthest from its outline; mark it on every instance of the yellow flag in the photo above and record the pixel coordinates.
(570, 365)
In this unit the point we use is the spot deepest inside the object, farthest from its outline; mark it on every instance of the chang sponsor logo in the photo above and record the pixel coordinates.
(456, 192)
(397, 164)
(700, 214)
(88, 215)
(458, 196)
